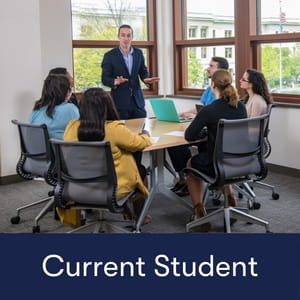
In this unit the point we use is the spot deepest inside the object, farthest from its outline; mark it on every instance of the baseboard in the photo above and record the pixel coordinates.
(284, 170)
(10, 179)
(272, 167)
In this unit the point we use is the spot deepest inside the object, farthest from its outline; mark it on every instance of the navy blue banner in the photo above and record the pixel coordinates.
(150, 266)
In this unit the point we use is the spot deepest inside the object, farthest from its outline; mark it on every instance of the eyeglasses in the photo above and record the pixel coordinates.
(245, 80)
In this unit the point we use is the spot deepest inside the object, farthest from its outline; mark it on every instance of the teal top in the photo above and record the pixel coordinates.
(62, 115)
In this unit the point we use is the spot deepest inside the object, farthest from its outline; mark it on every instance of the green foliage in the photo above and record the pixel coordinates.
(195, 71)
(87, 67)
(290, 63)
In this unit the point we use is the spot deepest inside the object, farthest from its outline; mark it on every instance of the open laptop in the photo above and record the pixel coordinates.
(165, 110)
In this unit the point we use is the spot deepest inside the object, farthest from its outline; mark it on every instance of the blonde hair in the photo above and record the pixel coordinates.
(222, 80)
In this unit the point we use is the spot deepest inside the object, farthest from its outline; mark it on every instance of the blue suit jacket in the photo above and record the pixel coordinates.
(113, 65)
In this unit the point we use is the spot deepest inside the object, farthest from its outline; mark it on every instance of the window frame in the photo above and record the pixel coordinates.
(150, 46)
(247, 46)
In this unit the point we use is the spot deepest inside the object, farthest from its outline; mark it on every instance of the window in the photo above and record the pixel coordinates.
(279, 17)
(228, 52)
(203, 52)
(266, 37)
(228, 33)
(203, 32)
(198, 61)
(212, 21)
(95, 28)
(214, 16)
(192, 32)
(276, 47)
(281, 67)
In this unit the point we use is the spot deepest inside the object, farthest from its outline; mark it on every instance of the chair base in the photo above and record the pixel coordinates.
(246, 190)
(275, 196)
(50, 203)
(102, 225)
(227, 213)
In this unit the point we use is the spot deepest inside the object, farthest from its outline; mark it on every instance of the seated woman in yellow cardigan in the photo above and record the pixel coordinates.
(99, 120)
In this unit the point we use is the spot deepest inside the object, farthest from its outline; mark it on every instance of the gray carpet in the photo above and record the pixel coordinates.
(168, 216)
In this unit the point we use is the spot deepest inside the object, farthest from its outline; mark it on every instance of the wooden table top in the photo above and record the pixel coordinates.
(159, 131)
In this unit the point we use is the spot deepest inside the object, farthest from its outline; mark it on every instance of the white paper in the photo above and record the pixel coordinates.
(154, 139)
(175, 133)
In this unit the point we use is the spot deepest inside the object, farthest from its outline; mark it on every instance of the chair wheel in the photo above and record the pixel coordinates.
(256, 205)
(216, 202)
(240, 196)
(15, 220)
(275, 196)
(51, 193)
(36, 229)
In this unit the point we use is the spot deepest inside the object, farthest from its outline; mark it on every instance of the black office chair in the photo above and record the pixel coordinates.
(267, 152)
(246, 189)
(36, 162)
(238, 157)
(86, 179)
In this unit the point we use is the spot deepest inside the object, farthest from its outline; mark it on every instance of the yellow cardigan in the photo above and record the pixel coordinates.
(123, 142)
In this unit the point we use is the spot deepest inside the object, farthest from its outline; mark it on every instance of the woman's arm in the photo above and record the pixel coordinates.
(130, 141)
(192, 132)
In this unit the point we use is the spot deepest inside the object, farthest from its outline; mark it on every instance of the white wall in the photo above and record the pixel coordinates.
(36, 36)
(284, 137)
(56, 35)
(20, 72)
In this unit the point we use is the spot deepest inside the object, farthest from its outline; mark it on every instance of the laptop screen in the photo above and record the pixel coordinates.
(165, 110)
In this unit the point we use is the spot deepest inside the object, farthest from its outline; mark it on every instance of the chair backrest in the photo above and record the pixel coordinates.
(37, 159)
(267, 144)
(239, 150)
(85, 174)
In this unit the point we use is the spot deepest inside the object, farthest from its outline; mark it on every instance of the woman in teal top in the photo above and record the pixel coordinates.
(53, 108)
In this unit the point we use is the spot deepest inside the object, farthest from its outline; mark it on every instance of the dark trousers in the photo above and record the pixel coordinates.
(180, 155)
(138, 159)
(132, 112)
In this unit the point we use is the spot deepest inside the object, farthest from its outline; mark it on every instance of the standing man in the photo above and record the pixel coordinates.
(122, 67)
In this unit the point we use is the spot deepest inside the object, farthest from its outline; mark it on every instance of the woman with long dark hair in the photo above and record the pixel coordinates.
(226, 106)
(257, 95)
(64, 71)
(99, 120)
(53, 108)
